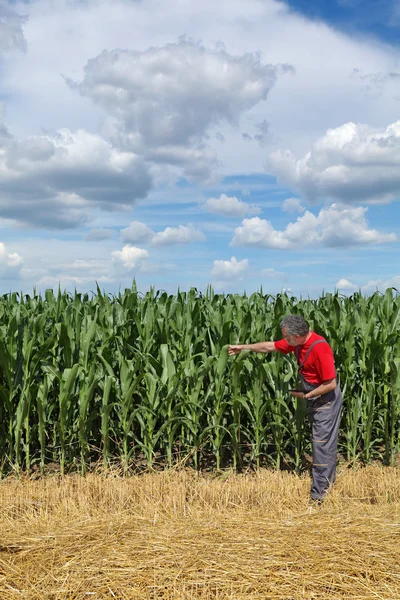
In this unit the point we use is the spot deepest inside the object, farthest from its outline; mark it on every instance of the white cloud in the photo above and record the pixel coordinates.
(10, 263)
(230, 206)
(139, 233)
(371, 286)
(55, 180)
(99, 234)
(129, 257)
(345, 284)
(8, 259)
(229, 270)
(178, 235)
(11, 33)
(291, 205)
(382, 284)
(62, 35)
(334, 226)
(163, 101)
(136, 233)
(81, 30)
(351, 163)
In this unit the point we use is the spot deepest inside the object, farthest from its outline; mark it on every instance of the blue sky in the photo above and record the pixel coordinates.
(242, 145)
(377, 18)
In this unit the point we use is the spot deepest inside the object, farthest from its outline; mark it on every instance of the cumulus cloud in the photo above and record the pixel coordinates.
(196, 163)
(11, 33)
(99, 235)
(230, 206)
(178, 235)
(55, 180)
(136, 233)
(371, 286)
(292, 205)
(229, 270)
(352, 163)
(163, 101)
(129, 258)
(78, 30)
(334, 226)
(345, 284)
(10, 263)
(382, 284)
(139, 233)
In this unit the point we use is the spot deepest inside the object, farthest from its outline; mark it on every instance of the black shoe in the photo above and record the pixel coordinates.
(315, 501)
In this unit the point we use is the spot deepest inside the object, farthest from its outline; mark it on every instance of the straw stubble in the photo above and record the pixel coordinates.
(180, 535)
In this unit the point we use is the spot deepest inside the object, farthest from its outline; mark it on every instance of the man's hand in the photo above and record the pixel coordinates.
(298, 394)
(234, 349)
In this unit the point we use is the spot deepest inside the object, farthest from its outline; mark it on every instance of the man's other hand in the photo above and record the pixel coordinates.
(234, 350)
(298, 394)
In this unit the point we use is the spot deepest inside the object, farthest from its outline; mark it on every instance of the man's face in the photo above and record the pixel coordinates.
(293, 340)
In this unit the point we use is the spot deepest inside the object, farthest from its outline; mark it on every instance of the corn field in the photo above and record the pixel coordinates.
(143, 380)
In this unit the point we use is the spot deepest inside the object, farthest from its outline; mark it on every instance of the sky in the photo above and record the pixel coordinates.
(244, 145)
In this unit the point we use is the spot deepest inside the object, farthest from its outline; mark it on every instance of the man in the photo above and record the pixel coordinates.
(319, 387)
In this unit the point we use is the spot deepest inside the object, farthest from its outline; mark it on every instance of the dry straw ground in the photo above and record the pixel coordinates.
(179, 535)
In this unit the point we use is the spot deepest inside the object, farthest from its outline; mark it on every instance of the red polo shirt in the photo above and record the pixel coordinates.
(319, 366)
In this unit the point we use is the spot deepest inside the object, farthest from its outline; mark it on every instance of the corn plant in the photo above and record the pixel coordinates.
(146, 377)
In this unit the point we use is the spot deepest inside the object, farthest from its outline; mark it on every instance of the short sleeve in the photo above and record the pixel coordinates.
(283, 346)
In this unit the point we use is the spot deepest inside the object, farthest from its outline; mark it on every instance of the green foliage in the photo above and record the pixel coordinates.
(139, 379)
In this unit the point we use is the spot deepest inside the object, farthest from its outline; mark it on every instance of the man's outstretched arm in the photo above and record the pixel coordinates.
(257, 347)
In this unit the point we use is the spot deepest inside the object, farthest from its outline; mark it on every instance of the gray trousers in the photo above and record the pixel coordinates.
(324, 414)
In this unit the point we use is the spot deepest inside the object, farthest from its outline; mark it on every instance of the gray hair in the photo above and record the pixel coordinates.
(295, 325)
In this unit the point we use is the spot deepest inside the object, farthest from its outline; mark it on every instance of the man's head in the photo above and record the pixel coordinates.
(294, 329)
